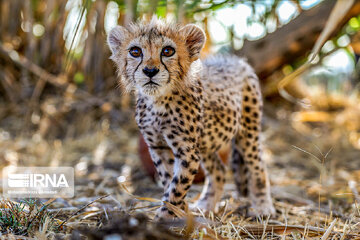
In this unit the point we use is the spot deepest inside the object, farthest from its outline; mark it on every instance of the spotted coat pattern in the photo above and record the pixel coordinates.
(190, 109)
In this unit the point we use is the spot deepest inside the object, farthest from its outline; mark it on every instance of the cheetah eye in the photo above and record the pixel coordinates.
(168, 51)
(135, 52)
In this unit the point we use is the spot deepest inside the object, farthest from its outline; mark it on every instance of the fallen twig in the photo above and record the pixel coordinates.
(76, 213)
(329, 230)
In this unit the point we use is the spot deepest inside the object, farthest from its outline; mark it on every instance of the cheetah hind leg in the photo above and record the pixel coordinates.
(239, 169)
(251, 177)
(214, 183)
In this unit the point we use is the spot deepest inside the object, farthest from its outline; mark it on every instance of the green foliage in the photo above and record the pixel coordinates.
(25, 218)
(79, 78)
(353, 25)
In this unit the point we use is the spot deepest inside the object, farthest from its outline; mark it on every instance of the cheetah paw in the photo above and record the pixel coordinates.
(263, 209)
(205, 206)
(163, 213)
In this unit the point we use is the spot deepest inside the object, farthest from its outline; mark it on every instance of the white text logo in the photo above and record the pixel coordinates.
(45, 182)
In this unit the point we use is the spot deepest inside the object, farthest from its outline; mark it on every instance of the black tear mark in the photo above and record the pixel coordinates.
(125, 67)
(165, 67)
(181, 70)
(142, 56)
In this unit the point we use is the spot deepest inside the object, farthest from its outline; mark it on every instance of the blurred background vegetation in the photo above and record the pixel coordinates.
(57, 48)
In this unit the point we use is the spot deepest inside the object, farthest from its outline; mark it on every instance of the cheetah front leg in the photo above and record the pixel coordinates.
(163, 160)
(187, 160)
(214, 182)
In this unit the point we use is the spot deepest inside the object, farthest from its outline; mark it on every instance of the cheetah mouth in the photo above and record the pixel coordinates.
(151, 83)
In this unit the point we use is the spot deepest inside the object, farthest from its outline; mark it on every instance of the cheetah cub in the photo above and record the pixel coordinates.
(187, 110)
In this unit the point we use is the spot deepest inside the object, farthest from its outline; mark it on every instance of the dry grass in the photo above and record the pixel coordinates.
(315, 196)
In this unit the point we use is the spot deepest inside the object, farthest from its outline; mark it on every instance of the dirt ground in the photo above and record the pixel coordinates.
(314, 172)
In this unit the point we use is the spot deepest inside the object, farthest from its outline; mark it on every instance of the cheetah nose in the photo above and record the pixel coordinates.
(150, 72)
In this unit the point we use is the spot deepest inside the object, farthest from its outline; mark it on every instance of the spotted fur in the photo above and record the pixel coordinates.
(190, 109)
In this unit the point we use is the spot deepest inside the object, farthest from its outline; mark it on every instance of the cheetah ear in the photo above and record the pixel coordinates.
(116, 37)
(195, 40)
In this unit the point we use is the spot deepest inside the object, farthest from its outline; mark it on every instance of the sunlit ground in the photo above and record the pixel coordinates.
(313, 165)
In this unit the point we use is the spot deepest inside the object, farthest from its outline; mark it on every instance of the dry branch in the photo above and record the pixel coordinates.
(57, 81)
(293, 40)
(9, 86)
(23, 62)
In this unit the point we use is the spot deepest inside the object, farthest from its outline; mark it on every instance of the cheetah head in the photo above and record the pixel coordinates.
(155, 57)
